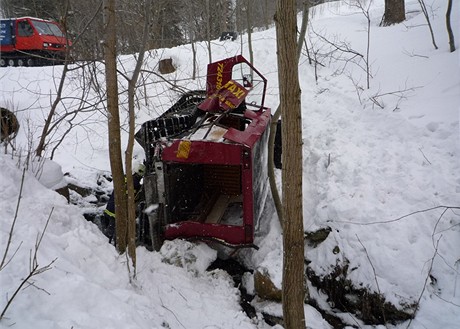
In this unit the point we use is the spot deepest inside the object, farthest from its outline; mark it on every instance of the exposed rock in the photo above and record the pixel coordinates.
(64, 191)
(9, 126)
(370, 307)
(264, 286)
(90, 197)
(83, 191)
(273, 320)
(98, 194)
(313, 239)
(237, 271)
(166, 66)
(335, 321)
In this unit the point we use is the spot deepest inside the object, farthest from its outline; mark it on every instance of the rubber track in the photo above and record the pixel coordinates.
(38, 58)
(177, 119)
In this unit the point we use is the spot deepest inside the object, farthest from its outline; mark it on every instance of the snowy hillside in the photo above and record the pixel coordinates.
(381, 175)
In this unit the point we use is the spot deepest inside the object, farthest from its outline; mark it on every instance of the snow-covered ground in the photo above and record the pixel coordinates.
(381, 169)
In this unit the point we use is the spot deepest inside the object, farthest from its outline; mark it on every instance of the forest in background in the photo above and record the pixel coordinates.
(172, 22)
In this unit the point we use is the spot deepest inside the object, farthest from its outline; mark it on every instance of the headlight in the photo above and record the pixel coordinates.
(45, 44)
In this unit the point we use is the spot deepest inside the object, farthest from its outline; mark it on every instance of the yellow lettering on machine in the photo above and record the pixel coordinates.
(183, 150)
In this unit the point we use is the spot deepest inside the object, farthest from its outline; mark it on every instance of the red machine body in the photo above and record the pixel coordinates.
(209, 181)
(29, 41)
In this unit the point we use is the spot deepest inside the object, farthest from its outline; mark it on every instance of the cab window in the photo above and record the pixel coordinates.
(25, 29)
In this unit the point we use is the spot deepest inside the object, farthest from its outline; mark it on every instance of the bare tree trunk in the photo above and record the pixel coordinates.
(303, 28)
(266, 16)
(194, 59)
(427, 17)
(46, 128)
(189, 17)
(131, 225)
(449, 27)
(395, 12)
(116, 162)
(249, 26)
(208, 30)
(293, 233)
(361, 4)
(271, 165)
(277, 115)
(223, 9)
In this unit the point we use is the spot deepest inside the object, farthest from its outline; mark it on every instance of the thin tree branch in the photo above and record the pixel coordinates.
(417, 304)
(375, 277)
(34, 268)
(399, 218)
(10, 235)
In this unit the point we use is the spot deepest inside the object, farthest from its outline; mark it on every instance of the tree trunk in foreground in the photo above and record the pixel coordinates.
(276, 116)
(113, 117)
(293, 235)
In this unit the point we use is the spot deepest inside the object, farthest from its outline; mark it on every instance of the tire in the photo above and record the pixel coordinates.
(11, 62)
(20, 62)
(2, 62)
(30, 62)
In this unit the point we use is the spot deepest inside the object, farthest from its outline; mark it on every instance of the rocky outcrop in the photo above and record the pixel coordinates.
(367, 305)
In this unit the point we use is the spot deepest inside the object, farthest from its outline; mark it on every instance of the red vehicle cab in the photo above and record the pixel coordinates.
(206, 160)
(29, 41)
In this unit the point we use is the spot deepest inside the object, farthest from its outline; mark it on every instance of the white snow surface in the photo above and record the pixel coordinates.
(381, 169)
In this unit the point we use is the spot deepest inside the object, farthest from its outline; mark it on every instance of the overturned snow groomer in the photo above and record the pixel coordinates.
(206, 160)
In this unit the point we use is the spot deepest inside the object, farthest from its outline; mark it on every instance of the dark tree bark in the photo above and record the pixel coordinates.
(449, 27)
(293, 234)
(395, 12)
